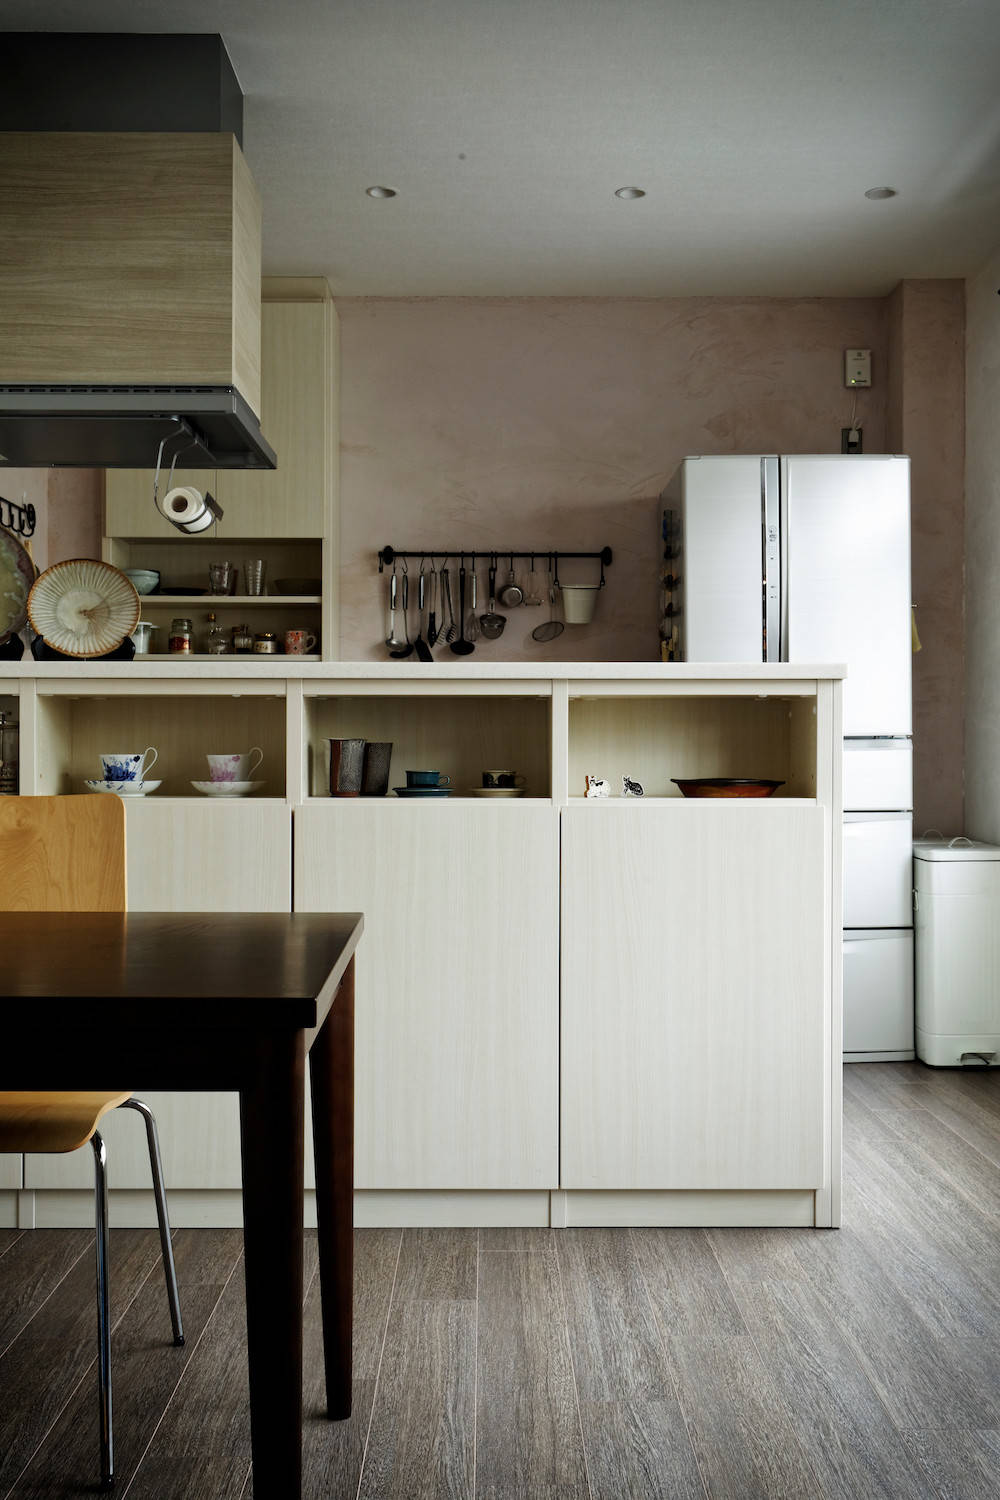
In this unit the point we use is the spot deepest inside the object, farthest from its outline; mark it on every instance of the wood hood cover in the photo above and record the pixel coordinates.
(129, 301)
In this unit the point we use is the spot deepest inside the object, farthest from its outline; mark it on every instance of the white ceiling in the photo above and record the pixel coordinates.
(755, 127)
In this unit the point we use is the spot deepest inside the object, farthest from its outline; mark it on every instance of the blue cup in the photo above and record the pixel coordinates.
(427, 778)
(128, 765)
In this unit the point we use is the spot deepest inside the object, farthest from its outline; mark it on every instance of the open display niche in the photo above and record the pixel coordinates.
(458, 735)
(184, 564)
(652, 739)
(75, 731)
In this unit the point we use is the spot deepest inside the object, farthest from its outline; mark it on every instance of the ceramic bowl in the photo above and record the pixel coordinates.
(143, 580)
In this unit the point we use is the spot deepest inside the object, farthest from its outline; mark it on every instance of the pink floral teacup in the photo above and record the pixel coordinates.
(234, 766)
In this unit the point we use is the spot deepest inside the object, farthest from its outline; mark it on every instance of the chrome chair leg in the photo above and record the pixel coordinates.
(103, 1311)
(166, 1245)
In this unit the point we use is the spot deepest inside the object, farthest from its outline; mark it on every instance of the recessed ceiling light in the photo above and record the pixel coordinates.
(630, 192)
(381, 192)
(884, 192)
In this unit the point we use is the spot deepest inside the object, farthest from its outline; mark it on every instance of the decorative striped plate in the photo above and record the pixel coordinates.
(83, 607)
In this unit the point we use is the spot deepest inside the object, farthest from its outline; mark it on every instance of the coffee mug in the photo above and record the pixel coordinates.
(233, 766)
(427, 778)
(494, 779)
(298, 642)
(127, 765)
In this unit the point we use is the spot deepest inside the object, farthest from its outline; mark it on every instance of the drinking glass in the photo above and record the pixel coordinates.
(220, 576)
(255, 572)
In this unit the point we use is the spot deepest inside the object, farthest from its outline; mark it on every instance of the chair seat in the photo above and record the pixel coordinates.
(52, 1122)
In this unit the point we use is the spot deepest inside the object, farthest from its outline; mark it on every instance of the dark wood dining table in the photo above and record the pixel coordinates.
(230, 1001)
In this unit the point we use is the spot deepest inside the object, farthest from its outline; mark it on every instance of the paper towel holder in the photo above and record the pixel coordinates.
(175, 509)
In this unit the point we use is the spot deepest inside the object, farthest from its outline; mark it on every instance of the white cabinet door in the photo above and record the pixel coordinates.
(192, 854)
(847, 542)
(695, 995)
(878, 870)
(878, 991)
(10, 1170)
(184, 855)
(457, 984)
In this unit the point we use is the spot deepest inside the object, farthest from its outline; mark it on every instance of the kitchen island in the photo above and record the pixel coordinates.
(571, 1010)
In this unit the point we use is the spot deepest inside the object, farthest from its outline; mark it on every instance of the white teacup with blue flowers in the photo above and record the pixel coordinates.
(128, 765)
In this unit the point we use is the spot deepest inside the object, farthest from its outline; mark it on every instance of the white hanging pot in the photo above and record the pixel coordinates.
(579, 601)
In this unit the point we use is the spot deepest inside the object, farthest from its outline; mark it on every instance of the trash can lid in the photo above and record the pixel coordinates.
(954, 848)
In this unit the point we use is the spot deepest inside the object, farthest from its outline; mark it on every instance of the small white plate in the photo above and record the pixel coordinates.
(124, 788)
(498, 791)
(227, 788)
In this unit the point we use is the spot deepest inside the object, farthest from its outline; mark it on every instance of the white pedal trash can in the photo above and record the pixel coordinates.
(957, 952)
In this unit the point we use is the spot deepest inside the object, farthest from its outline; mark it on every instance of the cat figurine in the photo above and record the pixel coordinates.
(597, 787)
(632, 788)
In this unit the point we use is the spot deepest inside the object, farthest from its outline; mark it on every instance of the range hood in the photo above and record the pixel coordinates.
(129, 260)
(116, 427)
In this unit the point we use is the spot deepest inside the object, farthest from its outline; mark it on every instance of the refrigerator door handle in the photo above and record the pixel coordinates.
(770, 520)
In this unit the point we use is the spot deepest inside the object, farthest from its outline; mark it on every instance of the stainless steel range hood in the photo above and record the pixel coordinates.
(117, 427)
(129, 257)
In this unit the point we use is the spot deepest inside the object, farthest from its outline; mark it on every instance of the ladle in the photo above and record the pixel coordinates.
(392, 641)
(405, 647)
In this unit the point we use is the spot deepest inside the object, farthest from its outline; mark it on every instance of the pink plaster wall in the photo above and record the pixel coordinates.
(74, 513)
(556, 422)
(926, 420)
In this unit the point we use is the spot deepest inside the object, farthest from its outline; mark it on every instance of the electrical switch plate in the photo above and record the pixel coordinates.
(857, 367)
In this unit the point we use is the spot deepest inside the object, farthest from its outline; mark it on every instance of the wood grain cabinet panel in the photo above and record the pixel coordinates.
(129, 259)
(695, 995)
(297, 397)
(457, 998)
(129, 510)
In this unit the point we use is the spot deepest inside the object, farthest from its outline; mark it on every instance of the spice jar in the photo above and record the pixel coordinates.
(179, 643)
(266, 644)
(242, 639)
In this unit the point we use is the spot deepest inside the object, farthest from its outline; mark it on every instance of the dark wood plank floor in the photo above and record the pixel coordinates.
(574, 1364)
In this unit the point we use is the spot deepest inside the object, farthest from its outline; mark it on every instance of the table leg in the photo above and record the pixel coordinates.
(331, 1071)
(271, 1137)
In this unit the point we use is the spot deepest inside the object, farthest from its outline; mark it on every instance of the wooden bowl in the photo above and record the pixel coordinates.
(727, 786)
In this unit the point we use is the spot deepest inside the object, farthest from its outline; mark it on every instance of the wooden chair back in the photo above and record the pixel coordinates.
(62, 854)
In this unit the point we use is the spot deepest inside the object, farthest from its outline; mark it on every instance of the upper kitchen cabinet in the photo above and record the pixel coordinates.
(298, 418)
(129, 259)
(298, 398)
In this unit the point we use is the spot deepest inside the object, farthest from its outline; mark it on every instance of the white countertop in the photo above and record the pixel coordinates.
(286, 668)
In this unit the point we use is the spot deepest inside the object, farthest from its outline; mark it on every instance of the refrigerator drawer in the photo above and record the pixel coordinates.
(878, 775)
(878, 992)
(878, 870)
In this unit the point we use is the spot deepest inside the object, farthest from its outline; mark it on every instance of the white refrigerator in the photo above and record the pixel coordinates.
(807, 558)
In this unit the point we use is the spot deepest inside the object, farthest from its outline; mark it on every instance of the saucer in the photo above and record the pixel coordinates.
(422, 791)
(227, 788)
(498, 791)
(124, 788)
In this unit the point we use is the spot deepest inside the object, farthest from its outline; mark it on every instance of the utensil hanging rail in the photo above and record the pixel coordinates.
(19, 518)
(388, 555)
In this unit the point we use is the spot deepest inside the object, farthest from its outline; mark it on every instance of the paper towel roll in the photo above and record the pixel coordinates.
(183, 506)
